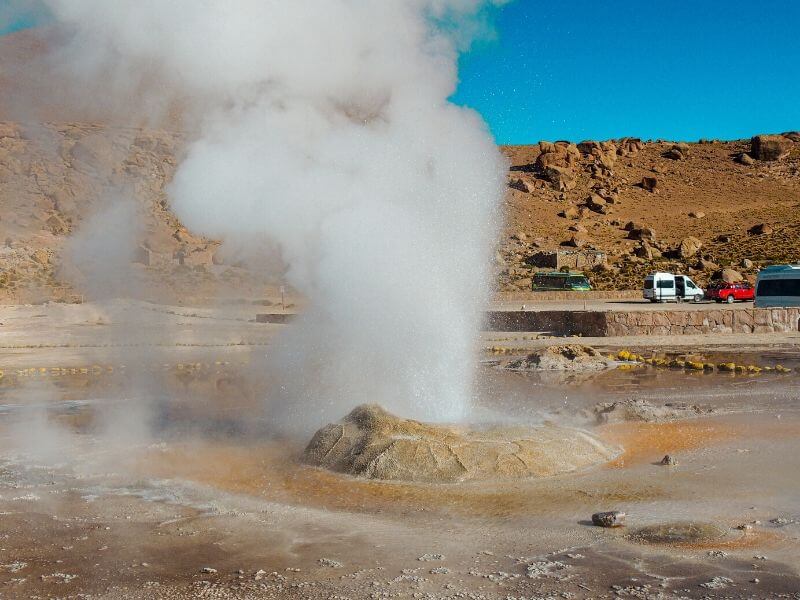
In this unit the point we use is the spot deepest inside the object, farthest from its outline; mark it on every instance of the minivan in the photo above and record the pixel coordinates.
(663, 287)
(778, 285)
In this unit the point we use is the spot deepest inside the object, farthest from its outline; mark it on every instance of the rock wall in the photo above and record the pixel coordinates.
(648, 322)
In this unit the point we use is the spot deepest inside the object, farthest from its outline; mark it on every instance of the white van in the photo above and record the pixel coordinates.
(778, 285)
(664, 287)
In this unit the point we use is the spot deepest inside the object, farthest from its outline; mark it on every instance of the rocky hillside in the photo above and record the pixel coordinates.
(694, 208)
(59, 184)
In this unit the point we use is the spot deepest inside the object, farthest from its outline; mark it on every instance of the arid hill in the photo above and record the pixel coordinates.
(692, 207)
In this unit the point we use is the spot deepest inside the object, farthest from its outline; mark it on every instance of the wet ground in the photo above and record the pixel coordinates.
(132, 478)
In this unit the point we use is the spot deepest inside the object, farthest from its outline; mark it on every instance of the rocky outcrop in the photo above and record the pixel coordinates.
(371, 443)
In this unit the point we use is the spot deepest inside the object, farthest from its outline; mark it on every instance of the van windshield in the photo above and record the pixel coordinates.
(779, 287)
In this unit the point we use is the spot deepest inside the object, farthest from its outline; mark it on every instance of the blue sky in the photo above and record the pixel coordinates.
(597, 69)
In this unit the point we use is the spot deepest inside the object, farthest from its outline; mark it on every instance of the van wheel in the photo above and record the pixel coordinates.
(697, 298)
(730, 299)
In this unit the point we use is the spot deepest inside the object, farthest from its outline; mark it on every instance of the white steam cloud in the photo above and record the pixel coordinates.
(325, 127)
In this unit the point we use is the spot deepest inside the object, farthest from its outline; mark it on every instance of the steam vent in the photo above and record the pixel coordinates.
(371, 443)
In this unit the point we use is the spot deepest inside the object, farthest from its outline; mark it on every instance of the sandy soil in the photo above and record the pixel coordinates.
(208, 486)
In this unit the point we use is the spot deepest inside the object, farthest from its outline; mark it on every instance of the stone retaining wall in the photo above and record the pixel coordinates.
(532, 297)
(647, 322)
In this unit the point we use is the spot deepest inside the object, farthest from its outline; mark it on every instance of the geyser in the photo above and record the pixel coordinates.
(324, 126)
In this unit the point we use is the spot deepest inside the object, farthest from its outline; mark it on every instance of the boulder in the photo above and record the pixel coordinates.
(578, 228)
(792, 135)
(675, 153)
(731, 276)
(689, 246)
(523, 184)
(56, 225)
(597, 203)
(706, 265)
(760, 229)
(647, 251)
(697, 214)
(570, 213)
(645, 233)
(747, 263)
(576, 241)
(562, 179)
(374, 444)
(649, 184)
(769, 147)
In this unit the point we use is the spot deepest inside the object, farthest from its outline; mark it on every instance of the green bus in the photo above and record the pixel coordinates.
(560, 281)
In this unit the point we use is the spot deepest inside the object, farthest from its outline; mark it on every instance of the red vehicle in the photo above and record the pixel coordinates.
(730, 292)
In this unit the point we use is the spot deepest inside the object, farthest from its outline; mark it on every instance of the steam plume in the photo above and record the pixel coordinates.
(325, 126)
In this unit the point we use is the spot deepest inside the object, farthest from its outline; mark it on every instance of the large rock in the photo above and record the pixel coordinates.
(562, 179)
(689, 246)
(769, 147)
(643, 233)
(760, 229)
(372, 443)
(731, 276)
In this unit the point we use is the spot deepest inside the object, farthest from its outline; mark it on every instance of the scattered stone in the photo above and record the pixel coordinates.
(746, 159)
(430, 557)
(597, 203)
(747, 263)
(649, 184)
(613, 518)
(697, 214)
(760, 229)
(669, 461)
(717, 553)
(644, 233)
(706, 265)
(208, 570)
(570, 213)
(545, 568)
(717, 583)
(330, 563)
(439, 571)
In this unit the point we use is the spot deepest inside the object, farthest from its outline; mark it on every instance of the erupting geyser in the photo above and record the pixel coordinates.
(324, 126)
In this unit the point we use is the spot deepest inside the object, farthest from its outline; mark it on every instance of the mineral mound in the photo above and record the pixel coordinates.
(644, 411)
(571, 357)
(371, 443)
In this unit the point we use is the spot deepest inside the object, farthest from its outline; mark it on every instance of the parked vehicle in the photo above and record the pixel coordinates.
(778, 285)
(722, 291)
(665, 287)
(558, 280)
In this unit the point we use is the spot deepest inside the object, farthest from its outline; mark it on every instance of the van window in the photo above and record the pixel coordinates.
(778, 287)
(689, 284)
(648, 284)
(666, 283)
